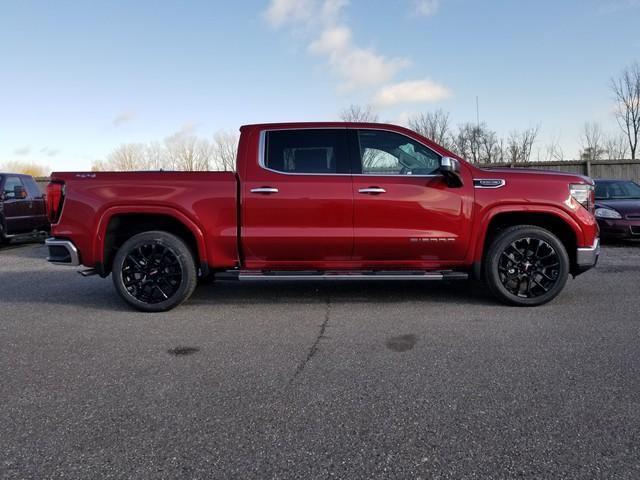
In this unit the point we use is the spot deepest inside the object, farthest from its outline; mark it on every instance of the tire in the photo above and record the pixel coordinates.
(154, 271)
(3, 240)
(526, 266)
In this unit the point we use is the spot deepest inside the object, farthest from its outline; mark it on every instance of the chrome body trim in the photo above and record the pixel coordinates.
(372, 190)
(588, 256)
(262, 146)
(69, 246)
(264, 190)
(340, 276)
(477, 181)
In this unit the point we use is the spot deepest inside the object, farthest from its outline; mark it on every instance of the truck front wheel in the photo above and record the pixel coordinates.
(526, 265)
(154, 271)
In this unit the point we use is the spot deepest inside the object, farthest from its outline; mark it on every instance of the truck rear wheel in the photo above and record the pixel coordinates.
(526, 265)
(154, 271)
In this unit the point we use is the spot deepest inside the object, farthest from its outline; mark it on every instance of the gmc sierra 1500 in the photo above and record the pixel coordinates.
(329, 201)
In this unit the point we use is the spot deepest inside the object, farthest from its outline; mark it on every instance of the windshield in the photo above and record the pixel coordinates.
(617, 190)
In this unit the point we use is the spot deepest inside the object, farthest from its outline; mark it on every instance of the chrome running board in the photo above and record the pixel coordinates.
(342, 275)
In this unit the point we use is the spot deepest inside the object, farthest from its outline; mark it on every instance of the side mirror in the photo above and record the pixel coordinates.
(450, 169)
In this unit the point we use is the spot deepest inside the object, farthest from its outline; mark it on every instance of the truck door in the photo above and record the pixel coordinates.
(37, 207)
(297, 200)
(405, 214)
(16, 205)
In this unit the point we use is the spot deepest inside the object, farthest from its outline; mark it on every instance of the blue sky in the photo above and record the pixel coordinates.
(79, 78)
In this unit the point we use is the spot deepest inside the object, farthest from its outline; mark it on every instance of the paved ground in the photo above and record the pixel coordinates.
(309, 381)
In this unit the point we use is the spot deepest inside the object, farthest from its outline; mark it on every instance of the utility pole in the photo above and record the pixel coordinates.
(477, 129)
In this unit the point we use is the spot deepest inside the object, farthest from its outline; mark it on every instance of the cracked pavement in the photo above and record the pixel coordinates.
(318, 380)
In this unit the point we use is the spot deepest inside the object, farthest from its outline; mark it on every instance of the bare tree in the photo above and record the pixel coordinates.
(466, 142)
(155, 156)
(27, 168)
(520, 144)
(358, 113)
(591, 138)
(626, 90)
(225, 151)
(491, 149)
(553, 150)
(616, 147)
(433, 125)
(125, 158)
(188, 152)
(477, 143)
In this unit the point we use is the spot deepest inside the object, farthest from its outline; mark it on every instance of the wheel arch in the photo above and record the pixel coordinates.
(554, 220)
(118, 224)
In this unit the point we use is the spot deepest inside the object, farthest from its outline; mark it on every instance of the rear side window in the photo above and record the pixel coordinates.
(14, 189)
(321, 151)
(389, 153)
(32, 187)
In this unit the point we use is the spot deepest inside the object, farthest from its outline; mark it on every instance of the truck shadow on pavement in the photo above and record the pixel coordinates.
(69, 288)
(228, 292)
(63, 286)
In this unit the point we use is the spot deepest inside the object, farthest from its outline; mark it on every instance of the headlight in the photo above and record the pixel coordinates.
(583, 194)
(607, 213)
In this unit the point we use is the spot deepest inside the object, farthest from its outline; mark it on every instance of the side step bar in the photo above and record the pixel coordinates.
(337, 276)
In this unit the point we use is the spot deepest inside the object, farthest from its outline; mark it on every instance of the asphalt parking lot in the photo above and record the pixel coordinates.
(318, 380)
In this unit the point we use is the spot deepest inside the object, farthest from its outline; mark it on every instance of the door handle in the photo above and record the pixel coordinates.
(264, 190)
(372, 190)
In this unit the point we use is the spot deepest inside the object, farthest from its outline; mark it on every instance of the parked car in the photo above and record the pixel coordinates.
(618, 209)
(22, 207)
(327, 201)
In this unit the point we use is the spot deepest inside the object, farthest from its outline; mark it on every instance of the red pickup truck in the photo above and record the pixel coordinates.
(326, 201)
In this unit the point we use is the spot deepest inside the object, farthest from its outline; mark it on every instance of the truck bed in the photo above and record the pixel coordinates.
(206, 201)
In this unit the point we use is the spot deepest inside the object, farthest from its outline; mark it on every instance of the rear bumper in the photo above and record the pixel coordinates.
(62, 252)
(587, 257)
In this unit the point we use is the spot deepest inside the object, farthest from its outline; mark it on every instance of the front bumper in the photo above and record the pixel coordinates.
(587, 257)
(62, 252)
(619, 228)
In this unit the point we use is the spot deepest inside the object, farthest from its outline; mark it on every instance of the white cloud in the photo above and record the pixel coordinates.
(354, 65)
(426, 8)
(123, 118)
(613, 6)
(332, 40)
(305, 12)
(281, 12)
(26, 150)
(49, 152)
(410, 92)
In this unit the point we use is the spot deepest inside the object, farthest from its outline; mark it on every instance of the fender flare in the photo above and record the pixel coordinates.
(483, 224)
(109, 213)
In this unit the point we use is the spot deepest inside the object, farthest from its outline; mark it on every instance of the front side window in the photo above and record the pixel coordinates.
(307, 151)
(13, 188)
(389, 153)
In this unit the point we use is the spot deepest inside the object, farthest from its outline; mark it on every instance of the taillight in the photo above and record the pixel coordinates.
(55, 198)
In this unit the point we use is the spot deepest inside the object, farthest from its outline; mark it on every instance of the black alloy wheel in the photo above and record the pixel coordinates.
(151, 273)
(154, 271)
(529, 267)
(526, 265)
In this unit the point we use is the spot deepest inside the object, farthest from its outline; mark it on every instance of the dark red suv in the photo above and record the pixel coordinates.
(22, 207)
